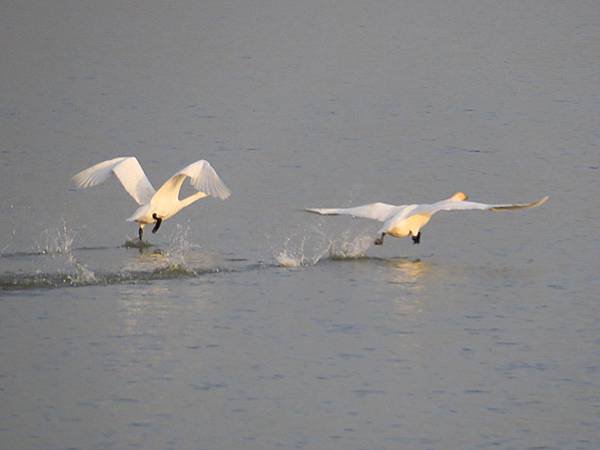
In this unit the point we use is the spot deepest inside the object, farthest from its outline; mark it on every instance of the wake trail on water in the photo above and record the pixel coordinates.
(55, 264)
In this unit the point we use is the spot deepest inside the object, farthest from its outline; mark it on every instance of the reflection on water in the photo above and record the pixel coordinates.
(146, 311)
(411, 274)
(496, 337)
(406, 270)
(140, 302)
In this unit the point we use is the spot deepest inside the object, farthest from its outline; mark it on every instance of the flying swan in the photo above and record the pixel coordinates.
(156, 206)
(407, 220)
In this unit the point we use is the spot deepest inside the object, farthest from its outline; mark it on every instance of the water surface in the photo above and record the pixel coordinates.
(248, 324)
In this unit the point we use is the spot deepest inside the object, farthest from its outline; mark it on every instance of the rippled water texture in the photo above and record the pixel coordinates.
(247, 323)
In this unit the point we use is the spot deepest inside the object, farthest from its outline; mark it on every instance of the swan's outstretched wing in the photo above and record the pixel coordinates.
(128, 171)
(453, 205)
(376, 211)
(202, 177)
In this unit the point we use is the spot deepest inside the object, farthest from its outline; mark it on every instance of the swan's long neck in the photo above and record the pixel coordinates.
(191, 199)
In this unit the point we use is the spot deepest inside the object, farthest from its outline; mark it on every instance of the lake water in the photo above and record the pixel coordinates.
(252, 325)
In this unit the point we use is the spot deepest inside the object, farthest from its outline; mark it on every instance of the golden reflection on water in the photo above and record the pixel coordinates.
(406, 270)
(410, 274)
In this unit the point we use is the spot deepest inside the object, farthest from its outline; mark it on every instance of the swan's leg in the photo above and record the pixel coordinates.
(140, 232)
(158, 222)
(416, 239)
(379, 240)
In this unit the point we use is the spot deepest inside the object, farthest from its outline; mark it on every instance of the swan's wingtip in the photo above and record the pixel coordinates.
(223, 193)
(78, 180)
(537, 203)
(312, 210)
(542, 200)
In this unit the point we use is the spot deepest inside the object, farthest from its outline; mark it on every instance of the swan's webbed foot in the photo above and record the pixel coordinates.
(158, 222)
(140, 232)
(379, 240)
(416, 239)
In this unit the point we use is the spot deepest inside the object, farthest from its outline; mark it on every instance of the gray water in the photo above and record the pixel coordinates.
(251, 325)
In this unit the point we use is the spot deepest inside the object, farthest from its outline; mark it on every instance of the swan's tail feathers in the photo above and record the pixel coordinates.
(533, 204)
(323, 211)
(139, 213)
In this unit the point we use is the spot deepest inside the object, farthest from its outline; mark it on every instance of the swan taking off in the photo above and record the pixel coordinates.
(407, 220)
(160, 205)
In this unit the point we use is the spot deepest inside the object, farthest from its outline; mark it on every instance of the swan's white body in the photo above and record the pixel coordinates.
(407, 220)
(160, 205)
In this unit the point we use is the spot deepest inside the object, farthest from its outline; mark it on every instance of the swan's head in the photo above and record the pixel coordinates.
(459, 197)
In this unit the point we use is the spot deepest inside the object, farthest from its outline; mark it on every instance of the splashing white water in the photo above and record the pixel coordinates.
(179, 247)
(294, 255)
(56, 240)
(179, 256)
(58, 244)
(348, 247)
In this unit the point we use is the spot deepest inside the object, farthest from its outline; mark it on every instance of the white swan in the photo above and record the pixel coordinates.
(160, 205)
(407, 220)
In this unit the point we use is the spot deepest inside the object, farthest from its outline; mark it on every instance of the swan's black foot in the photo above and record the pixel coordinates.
(158, 222)
(416, 239)
(140, 232)
(379, 240)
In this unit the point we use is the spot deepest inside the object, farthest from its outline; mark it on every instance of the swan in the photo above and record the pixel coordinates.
(407, 220)
(155, 206)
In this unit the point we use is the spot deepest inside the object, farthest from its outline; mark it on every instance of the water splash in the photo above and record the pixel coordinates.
(3, 250)
(347, 247)
(58, 244)
(291, 256)
(295, 254)
(180, 256)
(176, 257)
(180, 246)
(56, 240)
(56, 264)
